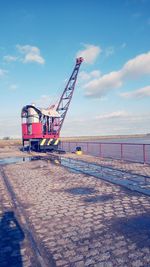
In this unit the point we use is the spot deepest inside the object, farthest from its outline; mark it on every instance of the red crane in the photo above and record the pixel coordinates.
(41, 127)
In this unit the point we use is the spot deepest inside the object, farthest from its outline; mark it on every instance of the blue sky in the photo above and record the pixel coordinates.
(39, 43)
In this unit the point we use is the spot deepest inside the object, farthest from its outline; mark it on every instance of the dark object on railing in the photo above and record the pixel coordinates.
(78, 148)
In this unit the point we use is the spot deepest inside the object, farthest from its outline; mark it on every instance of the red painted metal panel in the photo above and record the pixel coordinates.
(36, 132)
(37, 129)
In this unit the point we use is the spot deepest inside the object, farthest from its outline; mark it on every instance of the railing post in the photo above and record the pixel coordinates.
(100, 150)
(69, 146)
(121, 151)
(144, 154)
(87, 149)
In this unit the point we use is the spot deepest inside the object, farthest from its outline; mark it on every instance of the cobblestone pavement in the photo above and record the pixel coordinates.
(79, 220)
(15, 249)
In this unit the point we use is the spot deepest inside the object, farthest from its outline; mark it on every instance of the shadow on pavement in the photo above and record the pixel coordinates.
(81, 190)
(11, 235)
(97, 199)
(136, 228)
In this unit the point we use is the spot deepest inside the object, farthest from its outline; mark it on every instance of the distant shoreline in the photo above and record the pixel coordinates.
(18, 141)
(70, 138)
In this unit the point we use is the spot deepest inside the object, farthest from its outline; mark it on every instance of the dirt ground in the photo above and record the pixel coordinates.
(10, 143)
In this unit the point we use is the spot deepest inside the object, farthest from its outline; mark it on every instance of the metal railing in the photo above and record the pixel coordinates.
(133, 152)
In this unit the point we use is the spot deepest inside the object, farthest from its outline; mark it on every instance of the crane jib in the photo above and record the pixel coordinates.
(65, 101)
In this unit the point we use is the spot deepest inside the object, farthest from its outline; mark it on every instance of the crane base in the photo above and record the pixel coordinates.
(41, 145)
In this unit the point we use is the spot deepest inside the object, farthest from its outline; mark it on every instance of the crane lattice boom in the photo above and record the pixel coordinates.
(66, 97)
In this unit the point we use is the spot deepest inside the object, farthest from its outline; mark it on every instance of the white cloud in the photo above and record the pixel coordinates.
(95, 73)
(3, 72)
(99, 87)
(132, 69)
(9, 58)
(85, 76)
(139, 93)
(113, 115)
(31, 54)
(138, 66)
(44, 101)
(90, 53)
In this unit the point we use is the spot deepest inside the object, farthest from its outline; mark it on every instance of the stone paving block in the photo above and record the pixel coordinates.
(61, 263)
(104, 264)
(79, 264)
(89, 262)
(137, 263)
